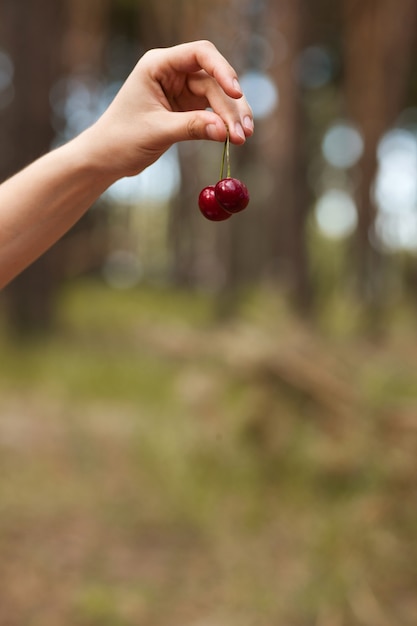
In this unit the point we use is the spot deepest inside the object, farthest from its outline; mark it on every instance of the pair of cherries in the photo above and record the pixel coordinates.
(229, 195)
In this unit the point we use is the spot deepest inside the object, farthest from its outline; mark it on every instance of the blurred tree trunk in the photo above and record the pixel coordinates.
(289, 200)
(86, 35)
(268, 241)
(378, 49)
(45, 39)
(31, 33)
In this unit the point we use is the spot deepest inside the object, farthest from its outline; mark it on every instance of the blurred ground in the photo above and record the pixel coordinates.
(159, 468)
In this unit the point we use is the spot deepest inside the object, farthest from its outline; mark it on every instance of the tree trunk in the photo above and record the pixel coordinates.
(289, 200)
(46, 39)
(30, 34)
(378, 43)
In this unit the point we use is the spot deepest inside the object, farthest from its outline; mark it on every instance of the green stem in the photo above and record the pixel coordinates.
(228, 154)
(226, 157)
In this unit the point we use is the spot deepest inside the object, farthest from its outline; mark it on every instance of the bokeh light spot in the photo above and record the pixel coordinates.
(395, 234)
(395, 190)
(261, 93)
(336, 214)
(158, 182)
(6, 71)
(314, 67)
(6, 80)
(342, 145)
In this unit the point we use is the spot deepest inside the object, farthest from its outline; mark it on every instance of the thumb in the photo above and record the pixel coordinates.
(186, 125)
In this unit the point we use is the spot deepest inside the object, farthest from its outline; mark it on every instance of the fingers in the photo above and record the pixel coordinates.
(186, 125)
(189, 125)
(191, 57)
(210, 82)
(235, 113)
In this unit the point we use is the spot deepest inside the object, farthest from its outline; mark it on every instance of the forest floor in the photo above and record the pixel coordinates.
(160, 468)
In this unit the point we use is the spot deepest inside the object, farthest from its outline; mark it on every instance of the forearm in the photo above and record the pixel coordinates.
(40, 203)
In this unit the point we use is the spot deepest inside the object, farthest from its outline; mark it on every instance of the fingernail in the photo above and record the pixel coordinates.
(239, 131)
(236, 85)
(212, 132)
(248, 123)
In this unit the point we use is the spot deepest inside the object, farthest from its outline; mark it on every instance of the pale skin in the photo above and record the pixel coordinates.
(164, 100)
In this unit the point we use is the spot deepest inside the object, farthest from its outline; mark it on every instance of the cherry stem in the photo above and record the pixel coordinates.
(226, 156)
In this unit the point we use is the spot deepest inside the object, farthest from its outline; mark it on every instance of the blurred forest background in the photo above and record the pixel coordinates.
(215, 424)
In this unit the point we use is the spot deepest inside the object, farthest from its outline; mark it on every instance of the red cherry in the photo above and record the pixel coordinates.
(209, 206)
(232, 194)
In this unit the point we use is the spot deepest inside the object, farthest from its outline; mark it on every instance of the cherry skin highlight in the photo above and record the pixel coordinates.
(210, 207)
(232, 195)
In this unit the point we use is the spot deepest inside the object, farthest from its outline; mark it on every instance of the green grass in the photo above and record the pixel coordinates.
(159, 468)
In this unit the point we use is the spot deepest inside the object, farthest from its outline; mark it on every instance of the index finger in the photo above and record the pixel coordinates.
(203, 55)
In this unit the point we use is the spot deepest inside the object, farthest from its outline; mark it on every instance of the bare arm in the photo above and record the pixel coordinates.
(40, 203)
(164, 100)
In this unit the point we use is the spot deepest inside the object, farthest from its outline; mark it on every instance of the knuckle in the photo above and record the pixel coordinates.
(193, 129)
(206, 43)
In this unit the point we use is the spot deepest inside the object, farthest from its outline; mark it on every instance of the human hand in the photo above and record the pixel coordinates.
(165, 100)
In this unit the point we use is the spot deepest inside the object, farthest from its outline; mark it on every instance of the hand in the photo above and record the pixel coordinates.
(165, 100)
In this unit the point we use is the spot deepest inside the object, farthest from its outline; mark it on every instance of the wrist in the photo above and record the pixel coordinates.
(111, 152)
(94, 156)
